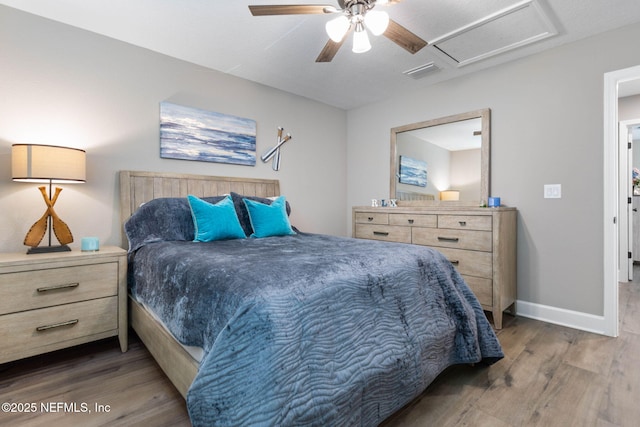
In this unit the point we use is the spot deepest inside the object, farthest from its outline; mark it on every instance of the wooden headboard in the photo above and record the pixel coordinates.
(137, 188)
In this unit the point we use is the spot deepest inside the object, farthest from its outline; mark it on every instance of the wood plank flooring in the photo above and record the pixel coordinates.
(551, 376)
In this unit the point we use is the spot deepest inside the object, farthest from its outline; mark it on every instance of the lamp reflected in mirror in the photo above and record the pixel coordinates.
(450, 195)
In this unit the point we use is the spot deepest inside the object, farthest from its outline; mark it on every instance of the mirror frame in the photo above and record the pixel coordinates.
(485, 154)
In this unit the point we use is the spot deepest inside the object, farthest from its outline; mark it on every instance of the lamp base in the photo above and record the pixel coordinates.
(47, 249)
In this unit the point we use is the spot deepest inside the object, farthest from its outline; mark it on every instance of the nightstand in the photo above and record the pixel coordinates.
(57, 300)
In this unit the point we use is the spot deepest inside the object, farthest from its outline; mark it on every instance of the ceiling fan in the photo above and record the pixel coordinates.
(355, 15)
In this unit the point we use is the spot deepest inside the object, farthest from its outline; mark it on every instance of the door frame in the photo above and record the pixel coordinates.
(611, 195)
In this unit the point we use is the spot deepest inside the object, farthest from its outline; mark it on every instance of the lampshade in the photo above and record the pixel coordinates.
(47, 163)
(360, 39)
(450, 195)
(376, 21)
(337, 28)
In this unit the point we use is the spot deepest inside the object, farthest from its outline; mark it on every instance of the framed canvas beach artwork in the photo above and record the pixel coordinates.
(413, 171)
(192, 134)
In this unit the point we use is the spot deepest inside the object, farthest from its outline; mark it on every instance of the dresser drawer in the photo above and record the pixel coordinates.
(388, 233)
(27, 290)
(372, 218)
(472, 263)
(482, 288)
(450, 238)
(25, 332)
(465, 222)
(415, 220)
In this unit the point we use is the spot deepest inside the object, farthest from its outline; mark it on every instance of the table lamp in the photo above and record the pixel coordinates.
(48, 164)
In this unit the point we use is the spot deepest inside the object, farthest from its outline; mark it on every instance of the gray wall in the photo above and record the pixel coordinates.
(547, 128)
(629, 108)
(64, 86)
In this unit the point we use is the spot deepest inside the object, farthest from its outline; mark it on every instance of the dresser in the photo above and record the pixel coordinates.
(56, 300)
(479, 242)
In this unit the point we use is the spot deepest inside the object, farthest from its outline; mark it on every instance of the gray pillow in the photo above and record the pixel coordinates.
(162, 220)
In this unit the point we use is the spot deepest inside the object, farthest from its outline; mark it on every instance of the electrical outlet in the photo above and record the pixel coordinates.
(552, 191)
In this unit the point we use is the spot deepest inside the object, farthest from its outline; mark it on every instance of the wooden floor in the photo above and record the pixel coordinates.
(551, 376)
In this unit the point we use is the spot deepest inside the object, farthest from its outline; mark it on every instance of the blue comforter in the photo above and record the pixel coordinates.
(310, 329)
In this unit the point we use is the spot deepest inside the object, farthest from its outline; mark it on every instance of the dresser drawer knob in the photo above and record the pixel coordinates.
(410, 221)
(58, 287)
(370, 219)
(56, 325)
(462, 223)
(380, 233)
(454, 261)
(448, 239)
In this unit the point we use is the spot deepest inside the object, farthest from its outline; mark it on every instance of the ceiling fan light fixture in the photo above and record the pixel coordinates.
(337, 28)
(361, 42)
(376, 21)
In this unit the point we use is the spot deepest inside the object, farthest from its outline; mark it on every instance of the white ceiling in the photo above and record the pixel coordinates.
(280, 51)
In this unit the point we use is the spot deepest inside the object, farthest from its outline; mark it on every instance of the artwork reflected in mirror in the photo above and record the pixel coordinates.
(456, 151)
(413, 171)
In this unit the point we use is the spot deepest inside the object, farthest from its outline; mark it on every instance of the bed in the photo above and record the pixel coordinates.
(264, 331)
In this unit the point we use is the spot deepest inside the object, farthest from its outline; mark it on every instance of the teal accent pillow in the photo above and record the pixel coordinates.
(214, 221)
(269, 220)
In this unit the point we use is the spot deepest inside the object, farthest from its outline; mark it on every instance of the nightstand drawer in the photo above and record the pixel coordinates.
(472, 263)
(27, 290)
(465, 222)
(388, 233)
(460, 239)
(372, 218)
(24, 333)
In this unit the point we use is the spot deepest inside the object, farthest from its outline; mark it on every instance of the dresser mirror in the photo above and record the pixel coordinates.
(443, 161)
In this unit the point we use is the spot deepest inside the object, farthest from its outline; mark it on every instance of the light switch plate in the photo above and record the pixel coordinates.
(552, 191)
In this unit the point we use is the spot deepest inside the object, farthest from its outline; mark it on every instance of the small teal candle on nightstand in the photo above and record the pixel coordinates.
(90, 244)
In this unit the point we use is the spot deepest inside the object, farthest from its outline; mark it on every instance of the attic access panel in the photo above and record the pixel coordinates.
(516, 26)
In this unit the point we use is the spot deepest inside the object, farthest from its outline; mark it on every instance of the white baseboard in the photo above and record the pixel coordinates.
(560, 316)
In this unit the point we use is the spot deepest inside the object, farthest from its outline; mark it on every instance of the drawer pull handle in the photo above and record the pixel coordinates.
(58, 287)
(56, 325)
(410, 221)
(380, 233)
(370, 219)
(448, 239)
(462, 223)
(454, 261)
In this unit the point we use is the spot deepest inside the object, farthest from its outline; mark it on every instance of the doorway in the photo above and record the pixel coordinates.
(612, 193)
(628, 159)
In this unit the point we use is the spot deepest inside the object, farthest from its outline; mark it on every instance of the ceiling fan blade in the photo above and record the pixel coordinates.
(403, 37)
(290, 9)
(330, 50)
